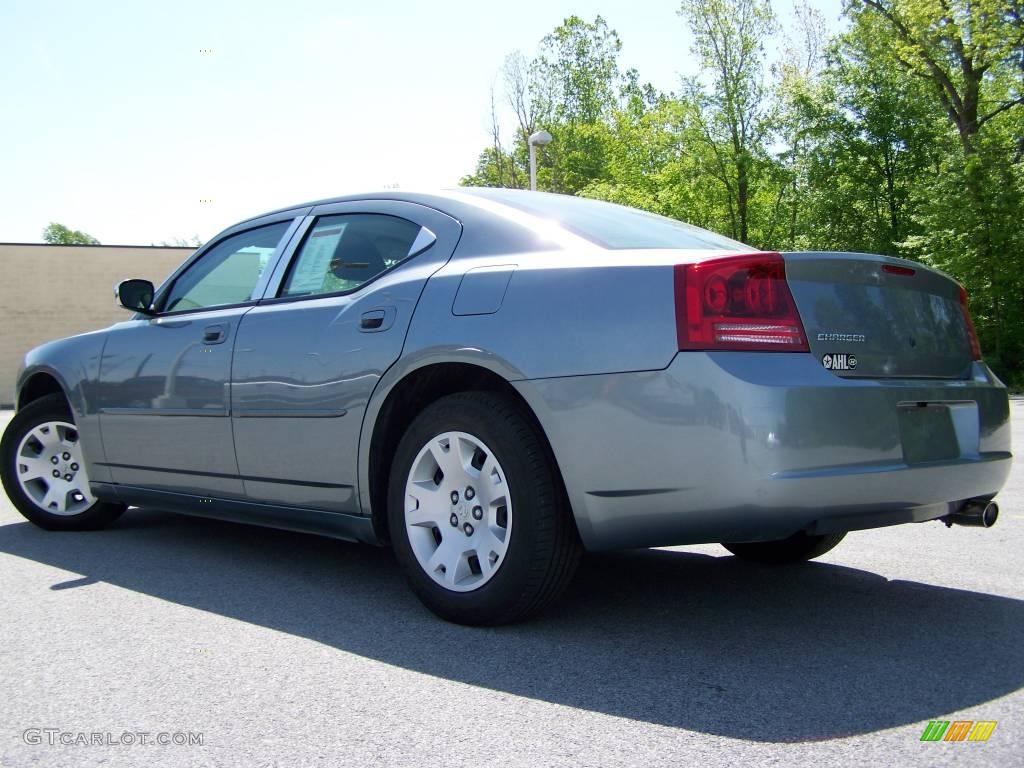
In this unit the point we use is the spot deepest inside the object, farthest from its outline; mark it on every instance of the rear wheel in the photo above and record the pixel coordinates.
(43, 469)
(477, 513)
(795, 549)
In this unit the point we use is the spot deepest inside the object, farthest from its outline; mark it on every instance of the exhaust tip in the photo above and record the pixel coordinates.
(989, 515)
(977, 513)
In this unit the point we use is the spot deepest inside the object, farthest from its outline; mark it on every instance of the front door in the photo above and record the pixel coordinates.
(164, 394)
(309, 356)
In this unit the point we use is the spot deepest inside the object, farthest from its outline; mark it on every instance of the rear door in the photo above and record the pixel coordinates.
(309, 356)
(871, 316)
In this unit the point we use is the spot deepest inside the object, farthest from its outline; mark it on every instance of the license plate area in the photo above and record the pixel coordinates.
(938, 431)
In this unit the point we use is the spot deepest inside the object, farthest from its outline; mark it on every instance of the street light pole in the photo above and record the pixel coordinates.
(538, 139)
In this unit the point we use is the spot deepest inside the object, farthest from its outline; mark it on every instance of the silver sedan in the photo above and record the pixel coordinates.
(493, 381)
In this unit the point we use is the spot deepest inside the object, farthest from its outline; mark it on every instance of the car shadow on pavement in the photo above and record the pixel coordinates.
(680, 639)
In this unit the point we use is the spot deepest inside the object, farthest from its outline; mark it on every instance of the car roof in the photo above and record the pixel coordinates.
(505, 220)
(446, 201)
(488, 226)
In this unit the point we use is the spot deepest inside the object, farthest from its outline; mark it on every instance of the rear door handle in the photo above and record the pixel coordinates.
(376, 320)
(214, 334)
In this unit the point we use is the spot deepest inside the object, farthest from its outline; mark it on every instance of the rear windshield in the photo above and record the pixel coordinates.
(610, 225)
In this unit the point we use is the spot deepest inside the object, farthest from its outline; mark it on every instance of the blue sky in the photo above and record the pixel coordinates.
(113, 121)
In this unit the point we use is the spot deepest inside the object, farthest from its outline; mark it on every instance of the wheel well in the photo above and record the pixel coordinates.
(408, 398)
(39, 385)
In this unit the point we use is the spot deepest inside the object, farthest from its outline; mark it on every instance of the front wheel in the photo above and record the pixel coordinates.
(43, 469)
(477, 514)
(795, 549)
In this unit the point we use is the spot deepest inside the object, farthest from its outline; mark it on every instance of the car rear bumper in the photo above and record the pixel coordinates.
(740, 446)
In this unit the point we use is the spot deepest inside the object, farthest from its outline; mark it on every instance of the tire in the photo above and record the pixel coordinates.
(515, 522)
(797, 548)
(45, 429)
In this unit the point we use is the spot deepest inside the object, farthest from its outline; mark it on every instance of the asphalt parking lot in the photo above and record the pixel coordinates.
(280, 649)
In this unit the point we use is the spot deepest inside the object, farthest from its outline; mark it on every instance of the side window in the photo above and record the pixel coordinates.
(228, 273)
(343, 252)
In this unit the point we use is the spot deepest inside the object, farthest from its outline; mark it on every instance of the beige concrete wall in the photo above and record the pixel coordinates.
(50, 291)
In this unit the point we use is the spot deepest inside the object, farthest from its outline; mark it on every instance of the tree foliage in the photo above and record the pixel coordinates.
(58, 234)
(959, 46)
(734, 121)
(903, 134)
(182, 242)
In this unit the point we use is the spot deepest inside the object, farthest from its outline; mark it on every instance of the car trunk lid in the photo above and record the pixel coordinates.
(879, 317)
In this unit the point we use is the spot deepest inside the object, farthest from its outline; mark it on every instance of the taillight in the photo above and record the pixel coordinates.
(972, 335)
(738, 302)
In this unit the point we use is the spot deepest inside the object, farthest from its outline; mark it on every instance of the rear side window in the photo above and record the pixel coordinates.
(610, 225)
(343, 252)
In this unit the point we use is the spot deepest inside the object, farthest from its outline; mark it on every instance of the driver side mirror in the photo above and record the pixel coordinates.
(136, 295)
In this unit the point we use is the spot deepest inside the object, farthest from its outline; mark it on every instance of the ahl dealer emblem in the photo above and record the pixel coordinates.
(839, 362)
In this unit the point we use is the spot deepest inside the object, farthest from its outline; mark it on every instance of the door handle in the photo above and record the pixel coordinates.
(372, 321)
(214, 334)
(376, 320)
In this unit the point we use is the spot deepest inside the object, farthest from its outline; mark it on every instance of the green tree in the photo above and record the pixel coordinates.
(577, 80)
(875, 134)
(571, 89)
(578, 71)
(58, 234)
(969, 50)
(183, 242)
(658, 160)
(903, 135)
(729, 37)
(971, 54)
(799, 99)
